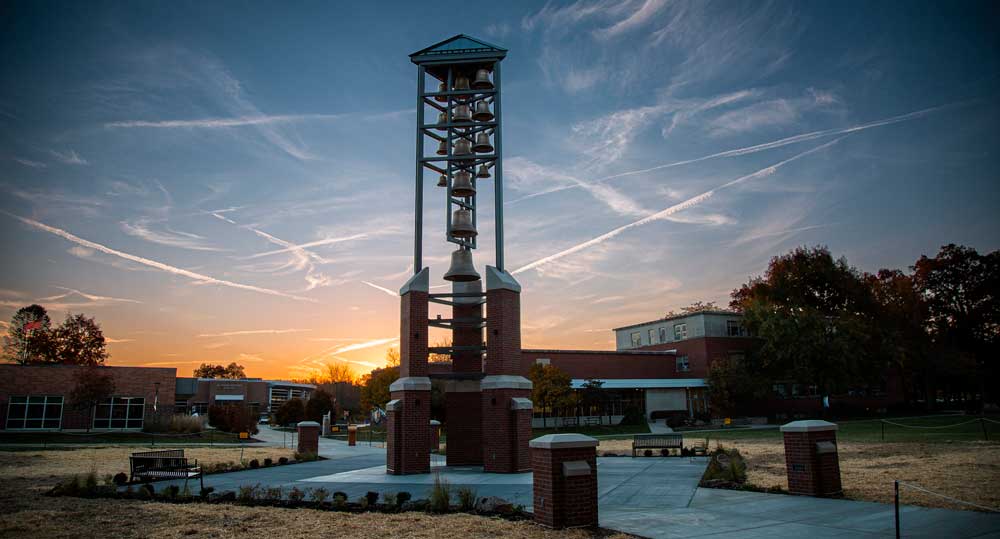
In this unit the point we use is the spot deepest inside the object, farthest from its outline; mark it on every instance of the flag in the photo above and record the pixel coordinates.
(37, 324)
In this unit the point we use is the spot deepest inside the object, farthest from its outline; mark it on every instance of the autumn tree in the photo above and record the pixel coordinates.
(812, 314)
(28, 335)
(336, 372)
(375, 387)
(78, 341)
(392, 357)
(319, 404)
(233, 371)
(552, 388)
(91, 386)
(440, 358)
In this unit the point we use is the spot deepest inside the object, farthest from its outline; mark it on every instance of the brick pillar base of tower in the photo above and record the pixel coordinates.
(811, 459)
(506, 395)
(409, 412)
(463, 409)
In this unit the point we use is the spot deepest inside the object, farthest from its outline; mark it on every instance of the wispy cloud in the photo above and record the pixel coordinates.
(91, 298)
(219, 123)
(29, 163)
(363, 345)
(111, 340)
(795, 139)
(197, 277)
(524, 172)
(254, 332)
(641, 16)
(290, 247)
(69, 157)
(663, 214)
(381, 289)
(184, 240)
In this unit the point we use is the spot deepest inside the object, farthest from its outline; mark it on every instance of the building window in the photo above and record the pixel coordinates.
(652, 336)
(663, 334)
(680, 332)
(120, 413)
(683, 365)
(636, 339)
(34, 412)
(542, 361)
(735, 329)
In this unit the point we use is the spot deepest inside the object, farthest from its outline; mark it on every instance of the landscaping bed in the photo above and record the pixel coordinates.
(964, 470)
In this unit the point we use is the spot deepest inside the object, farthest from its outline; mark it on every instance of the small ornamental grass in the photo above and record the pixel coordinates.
(440, 500)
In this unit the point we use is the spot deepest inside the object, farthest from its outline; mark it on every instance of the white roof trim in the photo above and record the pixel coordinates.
(645, 383)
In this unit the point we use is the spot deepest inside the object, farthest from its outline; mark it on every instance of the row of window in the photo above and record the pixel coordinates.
(659, 335)
(27, 412)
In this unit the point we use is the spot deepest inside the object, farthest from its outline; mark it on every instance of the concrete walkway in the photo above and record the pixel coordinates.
(650, 497)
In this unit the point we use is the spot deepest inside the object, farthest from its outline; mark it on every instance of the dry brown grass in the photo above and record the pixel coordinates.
(965, 470)
(25, 475)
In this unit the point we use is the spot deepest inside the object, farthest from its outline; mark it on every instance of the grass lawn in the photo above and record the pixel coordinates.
(954, 461)
(208, 436)
(25, 475)
(597, 431)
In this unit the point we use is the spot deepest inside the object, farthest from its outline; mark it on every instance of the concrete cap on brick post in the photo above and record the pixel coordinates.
(412, 383)
(563, 441)
(394, 405)
(496, 279)
(520, 403)
(809, 425)
(420, 282)
(301, 424)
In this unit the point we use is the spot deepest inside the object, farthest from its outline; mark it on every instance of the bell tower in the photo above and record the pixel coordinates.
(458, 141)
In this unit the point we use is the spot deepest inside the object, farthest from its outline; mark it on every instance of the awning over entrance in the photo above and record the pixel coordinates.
(645, 383)
(229, 397)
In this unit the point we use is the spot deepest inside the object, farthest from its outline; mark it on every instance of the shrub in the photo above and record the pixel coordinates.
(90, 481)
(171, 491)
(273, 493)
(186, 424)
(120, 478)
(648, 453)
(389, 499)
(146, 491)
(440, 495)
(296, 495)
(633, 416)
(466, 498)
(232, 418)
(372, 498)
(268, 461)
(283, 460)
(206, 491)
(339, 499)
(255, 463)
(320, 495)
(403, 497)
(727, 465)
(292, 411)
(248, 493)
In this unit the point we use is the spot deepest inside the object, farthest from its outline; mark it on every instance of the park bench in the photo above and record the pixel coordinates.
(657, 441)
(163, 464)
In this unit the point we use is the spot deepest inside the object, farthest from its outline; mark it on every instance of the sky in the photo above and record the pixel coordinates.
(233, 181)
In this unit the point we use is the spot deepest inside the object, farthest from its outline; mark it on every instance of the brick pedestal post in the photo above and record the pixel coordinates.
(352, 435)
(308, 437)
(506, 404)
(435, 435)
(564, 471)
(463, 405)
(408, 414)
(811, 459)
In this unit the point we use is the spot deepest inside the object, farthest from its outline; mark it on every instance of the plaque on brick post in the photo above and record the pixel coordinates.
(811, 460)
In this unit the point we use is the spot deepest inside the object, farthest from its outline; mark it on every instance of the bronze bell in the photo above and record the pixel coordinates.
(462, 147)
(482, 113)
(462, 270)
(484, 171)
(442, 181)
(442, 119)
(441, 88)
(461, 82)
(461, 224)
(461, 186)
(462, 114)
(482, 81)
(483, 144)
(442, 148)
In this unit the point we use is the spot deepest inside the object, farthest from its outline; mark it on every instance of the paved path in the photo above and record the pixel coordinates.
(650, 497)
(655, 427)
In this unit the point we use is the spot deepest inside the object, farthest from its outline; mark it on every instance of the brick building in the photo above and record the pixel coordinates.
(35, 397)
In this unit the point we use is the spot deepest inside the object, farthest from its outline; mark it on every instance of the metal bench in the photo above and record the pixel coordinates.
(657, 441)
(164, 464)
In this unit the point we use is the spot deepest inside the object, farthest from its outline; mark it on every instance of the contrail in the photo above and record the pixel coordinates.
(804, 137)
(381, 288)
(253, 332)
(316, 243)
(693, 201)
(203, 279)
(217, 123)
